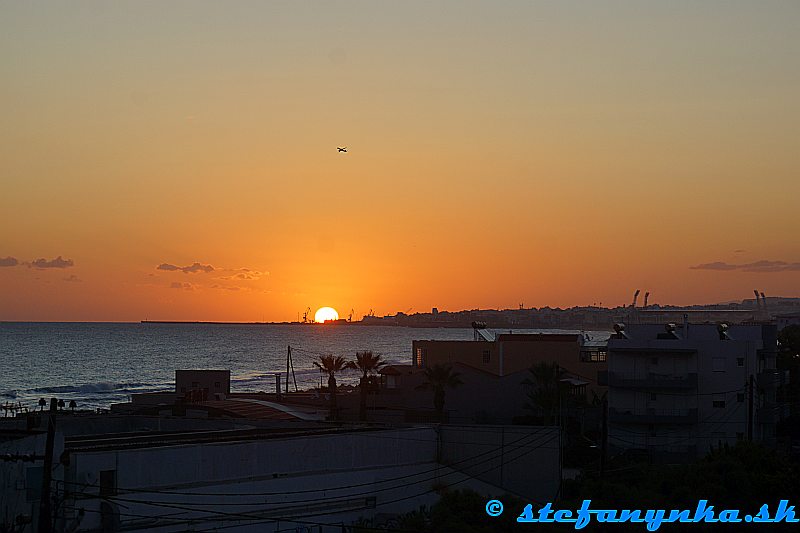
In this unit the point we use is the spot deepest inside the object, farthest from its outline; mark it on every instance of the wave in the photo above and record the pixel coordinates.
(99, 387)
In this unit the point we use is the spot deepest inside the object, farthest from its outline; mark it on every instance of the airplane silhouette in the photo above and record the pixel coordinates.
(342, 149)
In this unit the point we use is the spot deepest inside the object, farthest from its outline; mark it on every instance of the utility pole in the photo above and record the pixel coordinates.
(45, 519)
(288, 358)
(603, 438)
(750, 406)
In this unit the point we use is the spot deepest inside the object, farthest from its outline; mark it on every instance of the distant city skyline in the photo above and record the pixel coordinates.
(179, 161)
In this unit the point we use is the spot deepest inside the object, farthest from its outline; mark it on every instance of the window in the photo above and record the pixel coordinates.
(33, 483)
(487, 355)
(740, 361)
(216, 384)
(719, 404)
(108, 482)
(740, 397)
(419, 359)
(718, 364)
(590, 355)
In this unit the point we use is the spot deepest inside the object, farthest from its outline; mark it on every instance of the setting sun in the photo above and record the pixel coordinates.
(325, 313)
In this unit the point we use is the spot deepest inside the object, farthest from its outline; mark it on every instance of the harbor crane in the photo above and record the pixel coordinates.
(305, 315)
(646, 297)
(635, 297)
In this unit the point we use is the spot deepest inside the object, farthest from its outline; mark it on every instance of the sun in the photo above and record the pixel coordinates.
(325, 313)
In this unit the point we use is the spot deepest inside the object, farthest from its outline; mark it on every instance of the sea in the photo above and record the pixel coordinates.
(98, 364)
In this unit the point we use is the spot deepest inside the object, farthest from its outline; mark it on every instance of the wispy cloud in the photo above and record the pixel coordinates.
(58, 262)
(227, 288)
(245, 274)
(191, 269)
(8, 261)
(757, 266)
(73, 278)
(183, 286)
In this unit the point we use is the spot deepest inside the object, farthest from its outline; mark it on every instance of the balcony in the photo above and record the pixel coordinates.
(652, 416)
(772, 413)
(768, 379)
(652, 381)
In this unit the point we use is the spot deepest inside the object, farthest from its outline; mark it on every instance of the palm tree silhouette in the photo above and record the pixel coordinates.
(438, 378)
(331, 364)
(545, 388)
(367, 363)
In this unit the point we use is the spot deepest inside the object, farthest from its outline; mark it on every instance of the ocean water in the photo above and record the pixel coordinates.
(97, 364)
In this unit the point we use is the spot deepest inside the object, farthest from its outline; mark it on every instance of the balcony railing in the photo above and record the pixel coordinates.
(652, 381)
(652, 416)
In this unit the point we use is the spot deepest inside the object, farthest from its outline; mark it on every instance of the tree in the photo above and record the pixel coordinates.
(544, 389)
(789, 360)
(438, 378)
(330, 364)
(367, 363)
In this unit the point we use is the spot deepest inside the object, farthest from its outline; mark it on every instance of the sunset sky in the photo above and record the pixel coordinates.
(177, 160)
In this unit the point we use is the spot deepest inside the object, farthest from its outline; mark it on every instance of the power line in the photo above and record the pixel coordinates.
(327, 489)
(368, 492)
(293, 518)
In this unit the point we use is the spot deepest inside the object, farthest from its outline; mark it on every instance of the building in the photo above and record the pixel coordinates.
(677, 390)
(203, 384)
(508, 353)
(787, 319)
(166, 475)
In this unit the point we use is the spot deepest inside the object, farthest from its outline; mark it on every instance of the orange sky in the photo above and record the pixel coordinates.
(541, 153)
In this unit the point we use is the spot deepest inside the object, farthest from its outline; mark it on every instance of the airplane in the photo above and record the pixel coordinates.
(342, 149)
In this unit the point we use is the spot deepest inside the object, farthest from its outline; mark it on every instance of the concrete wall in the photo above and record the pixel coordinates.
(524, 460)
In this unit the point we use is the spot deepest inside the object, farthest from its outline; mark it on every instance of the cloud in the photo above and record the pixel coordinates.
(757, 266)
(224, 288)
(184, 286)
(246, 274)
(191, 269)
(8, 261)
(73, 278)
(717, 265)
(58, 262)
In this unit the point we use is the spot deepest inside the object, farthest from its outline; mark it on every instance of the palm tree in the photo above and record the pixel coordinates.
(330, 365)
(545, 388)
(438, 378)
(367, 363)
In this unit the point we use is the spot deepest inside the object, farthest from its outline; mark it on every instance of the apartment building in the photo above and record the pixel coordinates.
(676, 390)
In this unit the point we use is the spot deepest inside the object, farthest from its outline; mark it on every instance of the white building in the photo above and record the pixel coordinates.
(276, 477)
(677, 390)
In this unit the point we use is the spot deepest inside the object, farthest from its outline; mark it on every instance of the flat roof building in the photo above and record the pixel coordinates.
(676, 390)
